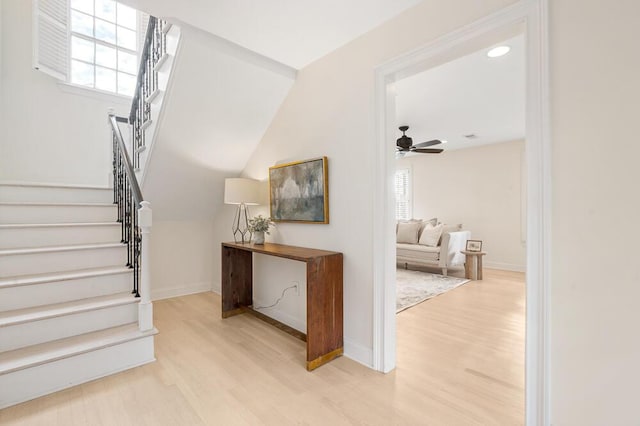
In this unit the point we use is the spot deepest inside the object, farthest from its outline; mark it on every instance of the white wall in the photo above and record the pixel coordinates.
(2, 40)
(221, 100)
(595, 344)
(330, 111)
(47, 134)
(478, 187)
(180, 258)
(595, 288)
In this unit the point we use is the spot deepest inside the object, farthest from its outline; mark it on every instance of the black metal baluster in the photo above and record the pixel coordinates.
(126, 191)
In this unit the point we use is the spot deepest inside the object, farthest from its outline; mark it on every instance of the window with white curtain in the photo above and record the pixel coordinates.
(403, 194)
(90, 43)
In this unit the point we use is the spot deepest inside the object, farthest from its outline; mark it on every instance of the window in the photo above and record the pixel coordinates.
(94, 43)
(403, 194)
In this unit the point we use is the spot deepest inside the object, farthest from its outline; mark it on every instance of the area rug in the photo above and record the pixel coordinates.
(413, 287)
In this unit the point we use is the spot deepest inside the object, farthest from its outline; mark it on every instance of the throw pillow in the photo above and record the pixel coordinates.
(407, 221)
(432, 222)
(431, 235)
(408, 232)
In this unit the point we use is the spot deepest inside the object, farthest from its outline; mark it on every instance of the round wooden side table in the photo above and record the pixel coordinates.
(473, 264)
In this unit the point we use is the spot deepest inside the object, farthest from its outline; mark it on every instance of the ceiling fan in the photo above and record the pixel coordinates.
(404, 144)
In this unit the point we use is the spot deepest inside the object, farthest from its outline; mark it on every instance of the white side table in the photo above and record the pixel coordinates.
(473, 264)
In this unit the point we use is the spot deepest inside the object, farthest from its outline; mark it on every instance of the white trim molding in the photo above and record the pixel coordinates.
(180, 290)
(358, 352)
(530, 16)
(504, 266)
(96, 94)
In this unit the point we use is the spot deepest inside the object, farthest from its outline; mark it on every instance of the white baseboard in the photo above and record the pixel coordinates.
(505, 266)
(217, 287)
(166, 293)
(283, 317)
(358, 353)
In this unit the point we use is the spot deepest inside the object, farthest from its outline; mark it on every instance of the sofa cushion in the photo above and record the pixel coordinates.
(449, 228)
(425, 223)
(417, 252)
(430, 235)
(406, 221)
(408, 232)
(433, 221)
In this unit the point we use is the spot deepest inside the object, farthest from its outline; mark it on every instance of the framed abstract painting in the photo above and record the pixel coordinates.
(299, 191)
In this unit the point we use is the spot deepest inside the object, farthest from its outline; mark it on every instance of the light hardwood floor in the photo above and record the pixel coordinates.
(460, 362)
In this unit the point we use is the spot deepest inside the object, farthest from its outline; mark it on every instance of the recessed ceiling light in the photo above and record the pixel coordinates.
(498, 51)
(443, 141)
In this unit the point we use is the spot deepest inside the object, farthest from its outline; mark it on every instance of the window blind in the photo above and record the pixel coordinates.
(403, 198)
(51, 40)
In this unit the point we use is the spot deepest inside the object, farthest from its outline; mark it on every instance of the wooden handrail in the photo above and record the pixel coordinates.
(135, 188)
(146, 51)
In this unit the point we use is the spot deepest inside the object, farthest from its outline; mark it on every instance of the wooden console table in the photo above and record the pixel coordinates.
(324, 335)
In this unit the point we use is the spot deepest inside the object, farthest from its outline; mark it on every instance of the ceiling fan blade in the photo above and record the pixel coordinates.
(428, 150)
(428, 143)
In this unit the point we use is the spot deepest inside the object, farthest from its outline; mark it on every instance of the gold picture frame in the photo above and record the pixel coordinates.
(299, 191)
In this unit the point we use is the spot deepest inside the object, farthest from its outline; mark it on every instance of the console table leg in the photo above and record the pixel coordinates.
(324, 310)
(237, 281)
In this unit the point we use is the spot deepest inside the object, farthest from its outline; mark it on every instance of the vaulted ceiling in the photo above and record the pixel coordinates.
(294, 32)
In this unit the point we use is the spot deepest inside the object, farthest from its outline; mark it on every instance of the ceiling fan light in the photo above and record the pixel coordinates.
(498, 51)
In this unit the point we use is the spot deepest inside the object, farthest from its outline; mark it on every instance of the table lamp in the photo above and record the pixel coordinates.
(243, 192)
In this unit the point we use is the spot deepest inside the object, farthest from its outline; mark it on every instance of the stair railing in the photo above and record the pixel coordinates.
(134, 215)
(155, 48)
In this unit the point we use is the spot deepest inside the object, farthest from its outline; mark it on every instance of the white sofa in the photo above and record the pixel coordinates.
(444, 254)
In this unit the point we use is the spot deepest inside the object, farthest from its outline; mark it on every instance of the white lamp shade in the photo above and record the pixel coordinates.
(241, 190)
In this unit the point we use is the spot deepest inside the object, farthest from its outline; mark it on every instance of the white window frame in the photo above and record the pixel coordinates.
(52, 51)
(406, 196)
(97, 41)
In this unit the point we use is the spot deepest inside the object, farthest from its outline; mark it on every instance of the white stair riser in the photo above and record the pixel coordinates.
(39, 263)
(55, 195)
(27, 296)
(57, 214)
(34, 332)
(58, 235)
(30, 383)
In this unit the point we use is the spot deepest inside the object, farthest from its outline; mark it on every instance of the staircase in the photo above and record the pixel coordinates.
(74, 259)
(67, 312)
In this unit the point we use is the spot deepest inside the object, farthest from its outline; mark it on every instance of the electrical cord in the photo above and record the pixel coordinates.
(279, 299)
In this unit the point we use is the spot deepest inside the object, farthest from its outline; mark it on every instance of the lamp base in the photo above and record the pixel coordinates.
(240, 227)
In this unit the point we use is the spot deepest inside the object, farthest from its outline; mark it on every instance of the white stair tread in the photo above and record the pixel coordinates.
(51, 249)
(43, 353)
(54, 204)
(61, 276)
(56, 225)
(38, 313)
(54, 185)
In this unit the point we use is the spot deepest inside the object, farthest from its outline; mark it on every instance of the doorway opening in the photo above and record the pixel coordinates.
(502, 25)
(460, 248)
